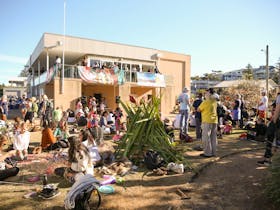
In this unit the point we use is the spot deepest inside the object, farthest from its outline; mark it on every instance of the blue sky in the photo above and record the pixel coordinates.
(218, 34)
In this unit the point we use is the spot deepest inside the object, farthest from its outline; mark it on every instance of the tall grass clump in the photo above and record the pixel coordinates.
(145, 131)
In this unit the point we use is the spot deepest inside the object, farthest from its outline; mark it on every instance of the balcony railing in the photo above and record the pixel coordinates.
(72, 71)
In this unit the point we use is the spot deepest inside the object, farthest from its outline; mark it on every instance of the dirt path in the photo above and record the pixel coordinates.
(234, 182)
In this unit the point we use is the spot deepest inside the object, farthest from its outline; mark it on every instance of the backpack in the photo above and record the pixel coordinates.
(221, 111)
(83, 199)
(82, 121)
(185, 137)
(153, 160)
(71, 113)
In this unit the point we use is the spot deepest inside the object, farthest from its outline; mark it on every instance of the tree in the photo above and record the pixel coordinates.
(24, 73)
(247, 73)
(248, 89)
(211, 77)
(196, 78)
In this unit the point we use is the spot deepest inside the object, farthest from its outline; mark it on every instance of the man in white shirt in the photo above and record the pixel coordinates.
(57, 65)
(263, 106)
(184, 101)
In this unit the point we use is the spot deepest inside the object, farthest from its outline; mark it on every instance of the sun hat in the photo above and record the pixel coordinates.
(185, 89)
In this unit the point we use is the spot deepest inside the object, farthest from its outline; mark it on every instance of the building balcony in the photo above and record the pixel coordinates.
(102, 76)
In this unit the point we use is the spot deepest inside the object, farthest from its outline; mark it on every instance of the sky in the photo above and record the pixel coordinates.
(218, 34)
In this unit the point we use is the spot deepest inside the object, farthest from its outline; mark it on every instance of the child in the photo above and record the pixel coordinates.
(228, 127)
(17, 125)
(118, 115)
(21, 142)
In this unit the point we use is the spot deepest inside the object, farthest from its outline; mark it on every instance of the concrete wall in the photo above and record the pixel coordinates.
(177, 67)
(72, 91)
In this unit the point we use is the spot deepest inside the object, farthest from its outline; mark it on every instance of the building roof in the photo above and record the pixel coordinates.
(18, 79)
(261, 83)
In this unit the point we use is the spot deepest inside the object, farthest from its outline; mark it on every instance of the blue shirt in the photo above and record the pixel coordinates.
(184, 101)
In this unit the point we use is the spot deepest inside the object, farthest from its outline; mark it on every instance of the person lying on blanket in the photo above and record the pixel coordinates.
(6, 169)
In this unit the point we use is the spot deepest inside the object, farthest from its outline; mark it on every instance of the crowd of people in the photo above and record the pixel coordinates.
(91, 116)
(213, 119)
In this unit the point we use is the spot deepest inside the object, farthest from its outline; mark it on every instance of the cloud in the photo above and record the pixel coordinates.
(13, 59)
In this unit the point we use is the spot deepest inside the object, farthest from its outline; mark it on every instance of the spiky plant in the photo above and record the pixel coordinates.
(145, 131)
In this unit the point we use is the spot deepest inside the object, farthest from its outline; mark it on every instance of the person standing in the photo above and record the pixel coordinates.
(209, 119)
(237, 110)
(57, 65)
(243, 112)
(4, 107)
(46, 110)
(197, 115)
(273, 130)
(184, 101)
(262, 106)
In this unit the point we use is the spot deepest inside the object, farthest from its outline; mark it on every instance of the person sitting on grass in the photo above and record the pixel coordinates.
(17, 122)
(48, 139)
(88, 140)
(169, 129)
(62, 131)
(79, 161)
(6, 170)
(21, 142)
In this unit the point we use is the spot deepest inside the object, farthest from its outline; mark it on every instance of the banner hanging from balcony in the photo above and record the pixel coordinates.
(102, 76)
(50, 74)
(150, 79)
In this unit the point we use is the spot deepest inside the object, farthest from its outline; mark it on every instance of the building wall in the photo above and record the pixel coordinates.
(124, 92)
(49, 90)
(177, 67)
(72, 91)
(14, 91)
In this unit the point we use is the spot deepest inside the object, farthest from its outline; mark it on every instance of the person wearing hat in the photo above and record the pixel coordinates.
(209, 119)
(169, 129)
(184, 101)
